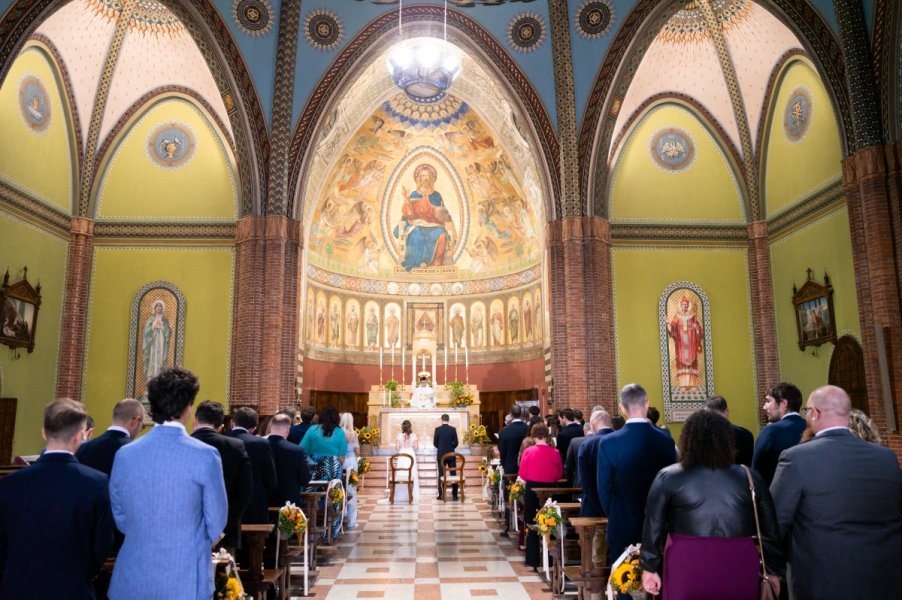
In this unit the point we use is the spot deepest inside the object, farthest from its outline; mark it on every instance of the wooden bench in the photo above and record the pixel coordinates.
(563, 548)
(255, 578)
(588, 578)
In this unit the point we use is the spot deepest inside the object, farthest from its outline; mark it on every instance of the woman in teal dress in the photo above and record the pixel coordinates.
(326, 447)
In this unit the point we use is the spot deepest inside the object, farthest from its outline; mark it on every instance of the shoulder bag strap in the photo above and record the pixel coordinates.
(757, 522)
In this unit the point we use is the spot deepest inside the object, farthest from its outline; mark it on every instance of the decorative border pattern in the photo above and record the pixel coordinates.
(208, 231)
(674, 232)
(526, 32)
(323, 29)
(134, 325)
(40, 210)
(675, 399)
(570, 201)
(594, 18)
(823, 199)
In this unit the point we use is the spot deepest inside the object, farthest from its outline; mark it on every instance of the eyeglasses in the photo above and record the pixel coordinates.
(808, 409)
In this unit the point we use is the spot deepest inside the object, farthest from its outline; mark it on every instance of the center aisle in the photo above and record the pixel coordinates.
(427, 551)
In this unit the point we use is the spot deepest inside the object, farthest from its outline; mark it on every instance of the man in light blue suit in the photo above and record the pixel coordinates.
(169, 500)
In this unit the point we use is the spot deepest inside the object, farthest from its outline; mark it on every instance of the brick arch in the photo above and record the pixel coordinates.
(621, 62)
(215, 44)
(465, 32)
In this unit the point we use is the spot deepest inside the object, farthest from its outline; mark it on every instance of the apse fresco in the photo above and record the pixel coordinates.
(424, 193)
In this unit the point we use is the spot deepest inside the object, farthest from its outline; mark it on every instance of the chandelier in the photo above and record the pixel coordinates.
(423, 67)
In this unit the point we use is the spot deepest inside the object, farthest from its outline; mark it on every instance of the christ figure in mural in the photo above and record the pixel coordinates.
(688, 337)
(426, 230)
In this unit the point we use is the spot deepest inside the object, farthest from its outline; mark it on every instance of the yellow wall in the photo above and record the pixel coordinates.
(32, 377)
(27, 158)
(133, 186)
(203, 274)
(640, 277)
(795, 171)
(824, 244)
(641, 190)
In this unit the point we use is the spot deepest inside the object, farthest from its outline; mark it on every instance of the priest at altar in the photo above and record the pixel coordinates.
(423, 396)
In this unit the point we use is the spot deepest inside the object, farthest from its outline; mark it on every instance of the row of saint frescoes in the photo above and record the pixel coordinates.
(352, 323)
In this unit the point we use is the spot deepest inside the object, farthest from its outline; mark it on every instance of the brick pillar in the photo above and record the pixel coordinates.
(764, 329)
(557, 311)
(75, 305)
(600, 343)
(291, 314)
(865, 182)
(247, 323)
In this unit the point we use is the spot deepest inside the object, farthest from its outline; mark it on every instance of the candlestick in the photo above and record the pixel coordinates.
(467, 364)
(403, 362)
(446, 365)
(413, 370)
(380, 365)
(393, 362)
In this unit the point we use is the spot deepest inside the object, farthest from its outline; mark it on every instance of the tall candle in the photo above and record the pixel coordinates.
(413, 370)
(380, 361)
(467, 357)
(403, 360)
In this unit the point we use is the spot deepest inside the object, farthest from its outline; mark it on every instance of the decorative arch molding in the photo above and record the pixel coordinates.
(136, 111)
(463, 32)
(887, 55)
(734, 158)
(628, 48)
(215, 43)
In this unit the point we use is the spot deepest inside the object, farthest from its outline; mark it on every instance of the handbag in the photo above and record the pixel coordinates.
(768, 587)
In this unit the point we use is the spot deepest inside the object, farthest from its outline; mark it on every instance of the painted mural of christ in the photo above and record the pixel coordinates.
(426, 229)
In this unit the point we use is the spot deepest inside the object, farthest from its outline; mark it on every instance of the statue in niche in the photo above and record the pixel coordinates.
(457, 328)
(513, 320)
(426, 230)
(372, 328)
(394, 326)
(353, 323)
(477, 327)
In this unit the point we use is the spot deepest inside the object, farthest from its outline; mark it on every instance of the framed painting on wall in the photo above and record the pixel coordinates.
(19, 305)
(157, 335)
(815, 320)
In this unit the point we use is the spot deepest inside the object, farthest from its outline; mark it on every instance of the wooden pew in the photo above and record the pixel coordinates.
(588, 578)
(255, 579)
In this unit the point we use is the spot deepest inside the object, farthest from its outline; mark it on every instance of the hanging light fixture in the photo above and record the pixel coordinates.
(425, 67)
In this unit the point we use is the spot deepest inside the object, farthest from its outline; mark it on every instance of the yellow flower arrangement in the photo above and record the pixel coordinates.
(336, 495)
(548, 519)
(363, 466)
(516, 490)
(353, 478)
(291, 521)
(495, 477)
(483, 465)
(227, 586)
(367, 435)
(477, 435)
(627, 577)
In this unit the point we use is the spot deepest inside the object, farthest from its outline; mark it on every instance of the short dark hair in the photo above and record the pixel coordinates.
(788, 392)
(707, 440)
(126, 409)
(617, 422)
(577, 414)
(63, 418)
(716, 403)
(654, 415)
(170, 392)
(209, 413)
(307, 413)
(534, 411)
(89, 422)
(516, 411)
(446, 418)
(566, 413)
(245, 417)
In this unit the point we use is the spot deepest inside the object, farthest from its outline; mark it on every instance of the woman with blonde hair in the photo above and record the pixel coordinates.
(862, 427)
(346, 422)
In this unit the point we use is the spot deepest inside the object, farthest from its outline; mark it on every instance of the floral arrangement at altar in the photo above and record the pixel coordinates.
(227, 585)
(460, 397)
(477, 435)
(516, 490)
(626, 574)
(292, 522)
(392, 393)
(336, 495)
(367, 435)
(363, 466)
(548, 519)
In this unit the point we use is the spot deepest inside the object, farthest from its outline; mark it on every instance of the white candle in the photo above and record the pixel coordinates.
(413, 370)
(403, 360)
(380, 359)
(467, 357)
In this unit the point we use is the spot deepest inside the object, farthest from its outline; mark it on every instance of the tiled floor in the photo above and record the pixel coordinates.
(427, 551)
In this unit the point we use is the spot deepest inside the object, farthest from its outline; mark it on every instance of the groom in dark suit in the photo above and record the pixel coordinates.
(445, 440)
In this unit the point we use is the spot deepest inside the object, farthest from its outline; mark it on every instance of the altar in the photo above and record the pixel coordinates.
(388, 419)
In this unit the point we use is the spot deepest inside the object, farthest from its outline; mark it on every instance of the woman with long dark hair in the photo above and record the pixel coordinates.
(326, 447)
(700, 520)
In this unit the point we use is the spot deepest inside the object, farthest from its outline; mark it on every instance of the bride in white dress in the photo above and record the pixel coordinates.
(407, 443)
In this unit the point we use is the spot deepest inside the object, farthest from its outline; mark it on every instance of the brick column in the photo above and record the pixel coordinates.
(75, 306)
(247, 323)
(291, 314)
(764, 328)
(600, 343)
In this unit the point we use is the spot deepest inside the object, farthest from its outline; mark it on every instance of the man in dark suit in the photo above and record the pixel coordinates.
(509, 440)
(782, 404)
(628, 461)
(236, 467)
(98, 453)
(838, 498)
(296, 433)
(587, 456)
(262, 463)
(445, 441)
(570, 430)
(292, 470)
(745, 442)
(56, 526)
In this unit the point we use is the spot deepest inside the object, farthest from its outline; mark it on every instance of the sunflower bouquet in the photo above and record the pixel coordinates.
(367, 435)
(483, 466)
(291, 521)
(626, 575)
(477, 435)
(363, 466)
(516, 490)
(336, 495)
(353, 478)
(227, 584)
(548, 519)
(495, 477)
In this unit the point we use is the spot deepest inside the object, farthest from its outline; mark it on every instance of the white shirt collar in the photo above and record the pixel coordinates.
(178, 424)
(46, 452)
(639, 420)
(240, 429)
(199, 427)
(117, 428)
(792, 412)
(818, 434)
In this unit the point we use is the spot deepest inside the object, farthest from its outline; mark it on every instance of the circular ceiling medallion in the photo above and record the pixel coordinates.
(797, 114)
(672, 149)
(526, 32)
(34, 103)
(594, 18)
(171, 145)
(323, 29)
(253, 17)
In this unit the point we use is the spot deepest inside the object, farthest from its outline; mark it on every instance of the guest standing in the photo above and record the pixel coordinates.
(262, 463)
(326, 445)
(98, 453)
(353, 452)
(509, 440)
(704, 503)
(541, 464)
(742, 437)
(292, 470)
(296, 434)
(169, 500)
(781, 404)
(56, 528)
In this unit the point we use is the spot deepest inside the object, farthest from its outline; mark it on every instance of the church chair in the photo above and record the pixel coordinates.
(453, 475)
(400, 472)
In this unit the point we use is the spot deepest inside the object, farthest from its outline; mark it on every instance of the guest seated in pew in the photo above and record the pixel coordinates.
(56, 528)
(541, 465)
(169, 499)
(701, 510)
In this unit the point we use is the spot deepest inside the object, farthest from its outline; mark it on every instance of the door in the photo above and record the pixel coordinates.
(847, 371)
(7, 428)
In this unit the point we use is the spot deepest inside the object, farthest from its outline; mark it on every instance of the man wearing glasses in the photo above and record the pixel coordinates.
(128, 419)
(781, 404)
(838, 504)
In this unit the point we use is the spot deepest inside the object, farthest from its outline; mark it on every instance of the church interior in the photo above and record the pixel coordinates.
(699, 196)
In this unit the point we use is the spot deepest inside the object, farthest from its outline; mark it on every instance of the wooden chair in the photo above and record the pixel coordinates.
(400, 472)
(453, 475)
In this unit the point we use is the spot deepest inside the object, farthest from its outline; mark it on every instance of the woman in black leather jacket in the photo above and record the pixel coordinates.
(707, 496)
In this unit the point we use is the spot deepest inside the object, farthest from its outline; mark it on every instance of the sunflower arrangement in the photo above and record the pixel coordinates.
(227, 584)
(483, 466)
(516, 490)
(460, 397)
(627, 577)
(336, 495)
(367, 435)
(363, 466)
(477, 435)
(353, 478)
(548, 519)
(494, 477)
(291, 521)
